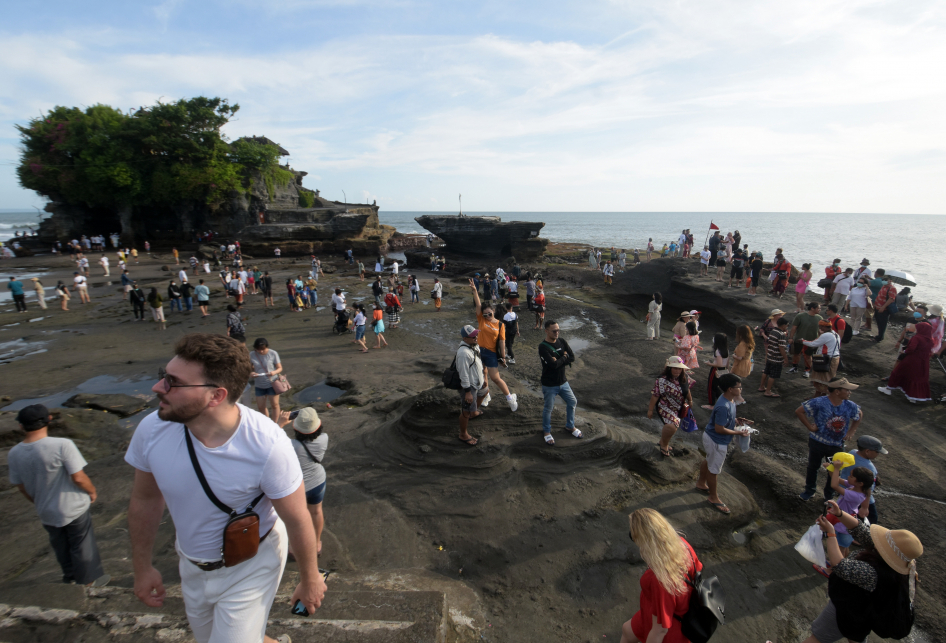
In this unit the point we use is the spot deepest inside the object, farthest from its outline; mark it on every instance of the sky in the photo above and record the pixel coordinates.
(616, 105)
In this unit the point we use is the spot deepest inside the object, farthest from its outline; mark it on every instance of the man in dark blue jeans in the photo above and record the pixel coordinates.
(556, 354)
(830, 420)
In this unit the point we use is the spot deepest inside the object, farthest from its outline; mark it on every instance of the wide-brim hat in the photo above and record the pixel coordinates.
(307, 421)
(865, 262)
(936, 310)
(676, 362)
(841, 382)
(897, 547)
(776, 311)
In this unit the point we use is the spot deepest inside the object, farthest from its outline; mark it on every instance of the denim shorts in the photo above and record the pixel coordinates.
(490, 359)
(359, 332)
(315, 496)
(845, 540)
(262, 392)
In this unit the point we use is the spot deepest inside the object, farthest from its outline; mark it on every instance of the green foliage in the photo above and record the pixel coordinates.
(253, 155)
(160, 155)
(276, 176)
(306, 199)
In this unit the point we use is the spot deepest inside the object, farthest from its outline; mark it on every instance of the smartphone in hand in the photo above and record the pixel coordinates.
(299, 609)
(294, 414)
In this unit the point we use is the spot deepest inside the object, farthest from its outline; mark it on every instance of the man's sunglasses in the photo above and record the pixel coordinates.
(169, 382)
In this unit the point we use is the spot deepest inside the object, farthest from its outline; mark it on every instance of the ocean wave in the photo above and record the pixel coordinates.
(18, 225)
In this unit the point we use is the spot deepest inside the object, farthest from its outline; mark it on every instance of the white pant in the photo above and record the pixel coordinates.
(231, 604)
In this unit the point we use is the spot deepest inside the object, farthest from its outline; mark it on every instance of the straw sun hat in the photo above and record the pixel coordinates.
(899, 548)
(307, 421)
(676, 362)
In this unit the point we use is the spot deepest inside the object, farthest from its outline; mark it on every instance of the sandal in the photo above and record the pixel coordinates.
(771, 395)
(471, 441)
(721, 506)
(706, 407)
(821, 570)
(701, 489)
(549, 439)
(668, 453)
(576, 433)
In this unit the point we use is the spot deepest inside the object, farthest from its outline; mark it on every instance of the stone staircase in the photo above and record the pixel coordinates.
(356, 609)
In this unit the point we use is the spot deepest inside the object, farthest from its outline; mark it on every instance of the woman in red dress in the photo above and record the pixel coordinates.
(912, 372)
(664, 591)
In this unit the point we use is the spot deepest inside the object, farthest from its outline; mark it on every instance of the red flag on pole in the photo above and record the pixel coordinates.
(713, 226)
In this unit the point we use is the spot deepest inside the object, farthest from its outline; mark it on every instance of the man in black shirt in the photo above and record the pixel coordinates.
(377, 289)
(174, 294)
(738, 263)
(556, 354)
(187, 294)
(137, 297)
(266, 285)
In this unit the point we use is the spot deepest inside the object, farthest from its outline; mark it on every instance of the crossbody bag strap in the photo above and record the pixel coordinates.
(203, 481)
(314, 459)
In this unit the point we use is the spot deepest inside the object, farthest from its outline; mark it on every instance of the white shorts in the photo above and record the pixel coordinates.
(231, 604)
(715, 454)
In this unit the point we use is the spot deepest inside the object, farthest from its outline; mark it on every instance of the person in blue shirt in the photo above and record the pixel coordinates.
(831, 420)
(868, 448)
(718, 435)
(16, 288)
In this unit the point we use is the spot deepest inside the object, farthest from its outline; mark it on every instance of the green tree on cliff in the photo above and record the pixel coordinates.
(101, 157)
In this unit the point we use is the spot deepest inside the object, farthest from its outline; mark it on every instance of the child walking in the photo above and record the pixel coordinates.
(378, 324)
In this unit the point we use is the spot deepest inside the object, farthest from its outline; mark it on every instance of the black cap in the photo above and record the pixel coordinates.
(33, 417)
(872, 443)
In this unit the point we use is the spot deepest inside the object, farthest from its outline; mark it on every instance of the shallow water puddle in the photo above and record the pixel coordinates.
(580, 344)
(18, 349)
(318, 394)
(570, 323)
(140, 388)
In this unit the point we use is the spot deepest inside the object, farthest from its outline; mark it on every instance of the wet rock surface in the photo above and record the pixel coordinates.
(121, 405)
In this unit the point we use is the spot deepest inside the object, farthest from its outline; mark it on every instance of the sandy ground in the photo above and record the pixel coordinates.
(531, 540)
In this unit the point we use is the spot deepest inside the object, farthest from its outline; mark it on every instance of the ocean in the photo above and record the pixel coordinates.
(900, 242)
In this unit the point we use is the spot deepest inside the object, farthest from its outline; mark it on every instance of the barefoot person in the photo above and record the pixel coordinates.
(718, 435)
(491, 340)
(246, 459)
(473, 384)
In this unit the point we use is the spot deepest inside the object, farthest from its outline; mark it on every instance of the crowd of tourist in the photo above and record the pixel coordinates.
(199, 389)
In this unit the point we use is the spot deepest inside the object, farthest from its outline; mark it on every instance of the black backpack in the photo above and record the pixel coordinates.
(848, 333)
(706, 611)
(451, 376)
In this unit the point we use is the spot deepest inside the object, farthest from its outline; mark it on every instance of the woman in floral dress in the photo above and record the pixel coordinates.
(671, 399)
(688, 345)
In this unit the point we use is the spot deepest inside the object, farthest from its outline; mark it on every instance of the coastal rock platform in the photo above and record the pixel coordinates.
(522, 541)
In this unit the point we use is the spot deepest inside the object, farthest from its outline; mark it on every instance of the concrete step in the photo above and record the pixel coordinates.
(364, 615)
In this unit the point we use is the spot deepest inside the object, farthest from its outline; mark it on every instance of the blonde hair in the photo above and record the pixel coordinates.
(661, 549)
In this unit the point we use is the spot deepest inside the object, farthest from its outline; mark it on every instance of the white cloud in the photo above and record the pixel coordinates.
(686, 106)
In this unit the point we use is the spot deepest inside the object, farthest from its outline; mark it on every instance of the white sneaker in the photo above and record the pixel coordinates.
(884, 390)
(486, 400)
(806, 374)
(513, 404)
(511, 360)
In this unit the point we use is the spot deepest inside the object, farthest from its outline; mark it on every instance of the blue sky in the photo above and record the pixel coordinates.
(652, 105)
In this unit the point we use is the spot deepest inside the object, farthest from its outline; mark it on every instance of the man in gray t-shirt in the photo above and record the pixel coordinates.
(49, 472)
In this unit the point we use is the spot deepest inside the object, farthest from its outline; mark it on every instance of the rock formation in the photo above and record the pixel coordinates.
(487, 236)
(274, 210)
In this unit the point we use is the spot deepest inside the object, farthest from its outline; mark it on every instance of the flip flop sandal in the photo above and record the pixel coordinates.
(701, 489)
(768, 395)
(821, 570)
(549, 439)
(721, 506)
(472, 441)
(576, 433)
(668, 453)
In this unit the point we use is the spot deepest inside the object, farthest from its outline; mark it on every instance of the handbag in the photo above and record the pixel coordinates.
(820, 363)
(688, 422)
(241, 537)
(281, 385)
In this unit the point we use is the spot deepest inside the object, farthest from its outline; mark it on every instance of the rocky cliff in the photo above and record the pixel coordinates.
(274, 210)
(487, 236)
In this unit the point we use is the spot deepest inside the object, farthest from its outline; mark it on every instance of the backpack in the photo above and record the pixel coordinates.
(451, 376)
(510, 325)
(706, 611)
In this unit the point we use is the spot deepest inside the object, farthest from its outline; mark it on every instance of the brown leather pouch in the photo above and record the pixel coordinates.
(240, 538)
(241, 533)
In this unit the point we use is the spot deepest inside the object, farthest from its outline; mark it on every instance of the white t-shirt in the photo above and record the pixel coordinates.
(83, 263)
(80, 281)
(182, 275)
(394, 268)
(843, 284)
(104, 261)
(338, 302)
(863, 271)
(705, 256)
(257, 458)
(359, 319)
(236, 287)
